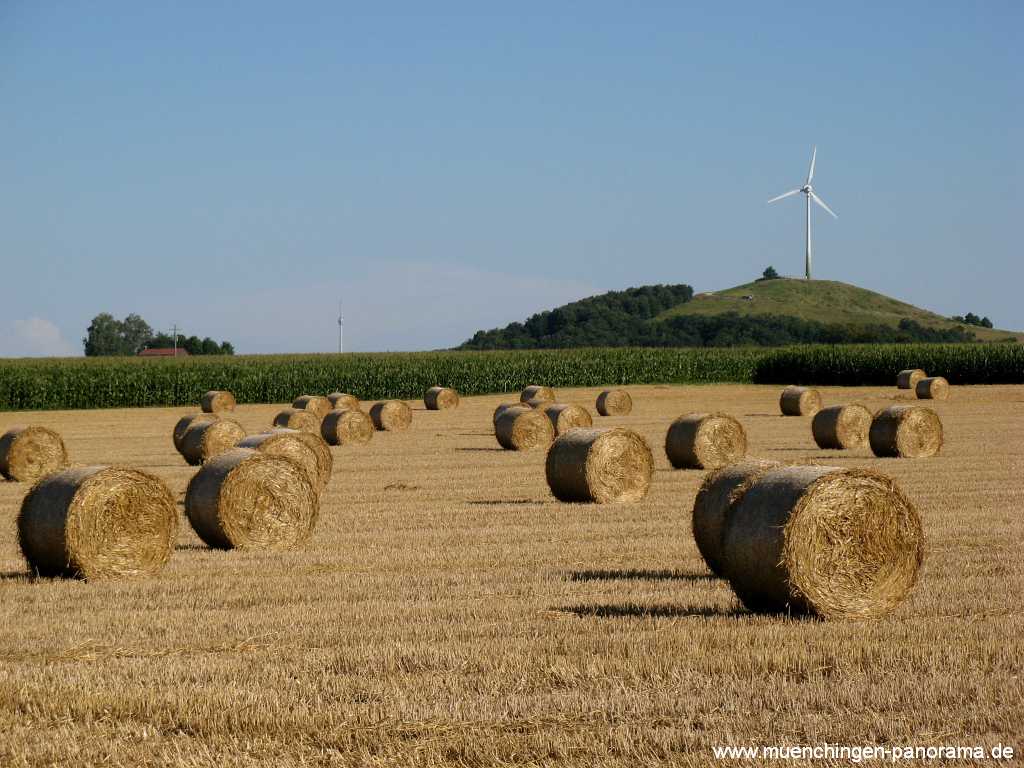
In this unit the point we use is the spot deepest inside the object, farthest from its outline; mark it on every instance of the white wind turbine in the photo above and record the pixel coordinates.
(808, 191)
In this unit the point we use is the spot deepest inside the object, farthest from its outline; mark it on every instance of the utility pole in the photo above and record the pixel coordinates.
(341, 329)
(174, 333)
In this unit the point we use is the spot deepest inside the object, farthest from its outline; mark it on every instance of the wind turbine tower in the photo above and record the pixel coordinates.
(809, 194)
(341, 329)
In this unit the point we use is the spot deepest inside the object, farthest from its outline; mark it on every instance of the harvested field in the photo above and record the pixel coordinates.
(465, 617)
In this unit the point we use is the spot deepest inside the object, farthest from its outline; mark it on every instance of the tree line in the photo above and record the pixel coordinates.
(108, 337)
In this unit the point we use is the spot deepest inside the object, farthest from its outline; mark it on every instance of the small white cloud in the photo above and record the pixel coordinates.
(35, 337)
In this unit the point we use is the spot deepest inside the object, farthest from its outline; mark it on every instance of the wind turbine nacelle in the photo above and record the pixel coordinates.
(806, 189)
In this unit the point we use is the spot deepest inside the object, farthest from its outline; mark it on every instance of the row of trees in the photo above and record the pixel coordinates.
(107, 336)
(972, 319)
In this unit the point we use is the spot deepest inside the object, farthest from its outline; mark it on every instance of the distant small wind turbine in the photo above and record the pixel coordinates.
(341, 329)
(808, 191)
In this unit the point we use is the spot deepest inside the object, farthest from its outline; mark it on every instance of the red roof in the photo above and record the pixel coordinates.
(164, 352)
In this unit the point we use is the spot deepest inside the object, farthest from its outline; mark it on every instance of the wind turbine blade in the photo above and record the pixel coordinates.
(784, 194)
(821, 202)
(810, 173)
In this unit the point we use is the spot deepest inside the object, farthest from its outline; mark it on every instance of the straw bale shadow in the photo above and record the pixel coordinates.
(638, 574)
(638, 611)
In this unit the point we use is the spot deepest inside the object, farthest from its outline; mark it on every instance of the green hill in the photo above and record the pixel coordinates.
(763, 313)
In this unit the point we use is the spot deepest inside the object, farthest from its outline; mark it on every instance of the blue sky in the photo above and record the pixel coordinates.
(236, 167)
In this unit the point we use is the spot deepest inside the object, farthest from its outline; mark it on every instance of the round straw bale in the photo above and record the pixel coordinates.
(718, 493)
(207, 439)
(343, 401)
(565, 416)
(391, 416)
(538, 403)
(317, 404)
(520, 429)
(838, 543)
(705, 441)
(842, 426)
(290, 444)
(98, 523)
(294, 418)
(187, 421)
(247, 499)
(909, 431)
(441, 399)
(347, 427)
(908, 379)
(217, 400)
(537, 392)
(932, 388)
(599, 465)
(800, 401)
(504, 407)
(614, 402)
(28, 453)
(322, 451)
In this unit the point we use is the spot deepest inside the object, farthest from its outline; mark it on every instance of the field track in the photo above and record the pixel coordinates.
(450, 611)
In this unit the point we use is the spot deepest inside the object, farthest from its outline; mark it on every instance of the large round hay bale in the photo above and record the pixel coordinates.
(565, 416)
(842, 426)
(343, 401)
(207, 439)
(322, 451)
(504, 407)
(316, 404)
(614, 402)
(187, 421)
(800, 401)
(28, 453)
(599, 465)
(391, 416)
(247, 499)
(521, 429)
(441, 399)
(908, 431)
(98, 523)
(932, 388)
(217, 400)
(347, 427)
(908, 379)
(705, 441)
(838, 543)
(290, 444)
(537, 392)
(294, 418)
(718, 493)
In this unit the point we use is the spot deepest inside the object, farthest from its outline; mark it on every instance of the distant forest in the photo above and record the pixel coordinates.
(626, 318)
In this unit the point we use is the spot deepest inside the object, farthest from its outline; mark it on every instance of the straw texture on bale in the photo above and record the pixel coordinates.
(705, 441)
(614, 402)
(187, 421)
(207, 439)
(28, 453)
(908, 379)
(347, 427)
(932, 388)
(246, 499)
(842, 426)
(504, 407)
(599, 465)
(294, 418)
(520, 429)
(343, 401)
(317, 404)
(717, 495)
(838, 543)
(441, 399)
(565, 416)
(391, 416)
(800, 401)
(217, 400)
(908, 431)
(290, 444)
(98, 523)
(537, 392)
(538, 402)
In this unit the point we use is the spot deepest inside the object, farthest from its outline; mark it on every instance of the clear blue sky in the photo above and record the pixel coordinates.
(235, 167)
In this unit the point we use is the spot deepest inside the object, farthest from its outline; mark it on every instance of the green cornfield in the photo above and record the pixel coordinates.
(71, 383)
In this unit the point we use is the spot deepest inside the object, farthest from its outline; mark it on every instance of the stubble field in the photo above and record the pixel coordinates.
(450, 611)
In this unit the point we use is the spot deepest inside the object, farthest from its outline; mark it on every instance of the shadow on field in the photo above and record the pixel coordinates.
(17, 576)
(475, 450)
(503, 502)
(193, 548)
(635, 610)
(637, 574)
